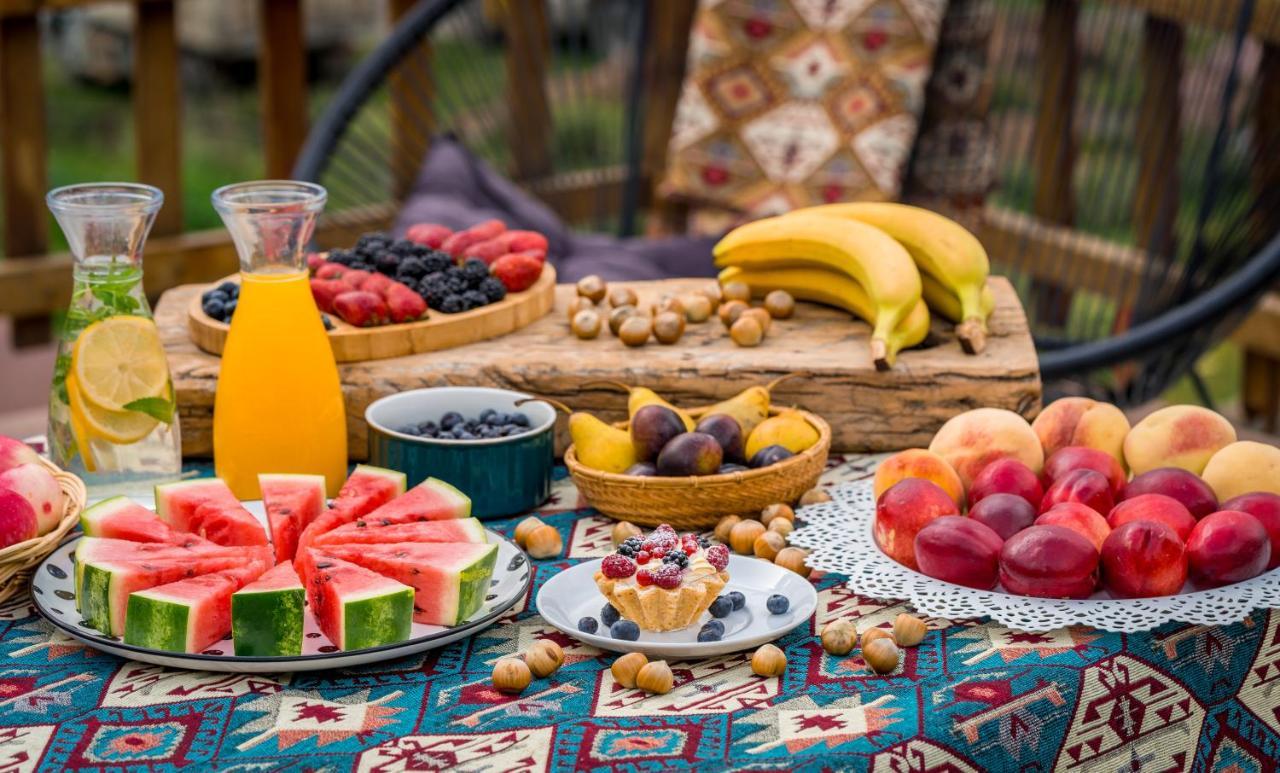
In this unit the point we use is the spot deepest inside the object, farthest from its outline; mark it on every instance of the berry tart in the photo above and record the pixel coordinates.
(665, 581)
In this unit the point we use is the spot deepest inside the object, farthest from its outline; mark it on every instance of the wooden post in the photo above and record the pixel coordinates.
(23, 153)
(529, 122)
(282, 81)
(412, 119)
(157, 108)
(1155, 199)
(664, 65)
(1262, 369)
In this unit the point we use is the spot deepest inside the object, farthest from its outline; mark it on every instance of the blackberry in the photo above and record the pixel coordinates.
(387, 263)
(372, 242)
(453, 304)
(676, 557)
(630, 546)
(342, 257)
(493, 289)
(474, 299)
(475, 270)
(435, 260)
(411, 270)
(403, 247)
(360, 265)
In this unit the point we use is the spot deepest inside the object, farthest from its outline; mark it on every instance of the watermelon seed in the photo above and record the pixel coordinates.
(313, 635)
(328, 648)
(491, 597)
(211, 652)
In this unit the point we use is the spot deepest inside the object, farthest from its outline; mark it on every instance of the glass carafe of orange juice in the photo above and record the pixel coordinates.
(279, 402)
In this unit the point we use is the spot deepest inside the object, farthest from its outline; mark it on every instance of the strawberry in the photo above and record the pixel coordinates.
(376, 284)
(488, 251)
(325, 290)
(353, 278)
(524, 241)
(331, 271)
(403, 303)
(315, 260)
(517, 272)
(506, 243)
(428, 234)
(480, 232)
(360, 308)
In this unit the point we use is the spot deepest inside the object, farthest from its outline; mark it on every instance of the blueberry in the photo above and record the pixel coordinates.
(588, 625)
(459, 432)
(777, 604)
(486, 413)
(230, 288)
(451, 420)
(328, 323)
(230, 308)
(712, 631)
(411, 430)
(466, 436)
(609, 615)
(739, 600)
(214, 308)
(216, 295)
(427, 428)
(625, 630)
(716, 625)
(519, 419)
(721, 607)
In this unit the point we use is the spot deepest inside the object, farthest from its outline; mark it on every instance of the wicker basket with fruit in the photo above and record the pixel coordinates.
(39, 504)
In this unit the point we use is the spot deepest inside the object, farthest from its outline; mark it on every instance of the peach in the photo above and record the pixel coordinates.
(15, 452)
(17, 519)
(1087, 487)
(960, 550)
(919, 463)
(1079, 421)
(1183, 436)
(1228, 546)
(903, 510)
(1049, 562)
(973, 439)
(1142, 559)
(1264, 506)
(1242, 467)
(1078, 518)
(1006, 476)
(1186, 487)
(34, 483)
(1154, 507)
(1064, 460)
(1005, 514)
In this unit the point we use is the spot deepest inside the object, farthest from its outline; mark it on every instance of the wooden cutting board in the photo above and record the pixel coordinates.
(868, 410)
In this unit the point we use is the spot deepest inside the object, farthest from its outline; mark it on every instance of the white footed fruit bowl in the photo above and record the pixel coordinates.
(839, 534)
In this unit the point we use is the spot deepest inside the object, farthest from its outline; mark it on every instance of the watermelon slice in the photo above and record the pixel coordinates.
(450, 579)
(292, 502)
(91, 550)
(367, 489)
(266, 615)
(189, 615)
(207, 507)
(365, 531)
(122, 518)
(355, 607)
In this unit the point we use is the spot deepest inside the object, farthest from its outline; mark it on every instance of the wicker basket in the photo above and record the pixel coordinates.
(698, 502)
(17, 562)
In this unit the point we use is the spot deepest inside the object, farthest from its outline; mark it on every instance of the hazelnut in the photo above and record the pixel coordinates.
(592, 287)
(667, 303)
(742, 537)
(768, 545)
(544, 657)
(761, 316)
(578, 303)
(544, 542)
(736, 291)
(622, 530)
(712, 293)
(746, 332)
(814, 496)
(668, 326)
(780, 304)
(635, 330)
(586, 324)
(881, 655)
(782, 526)
(655, 677)
(511, 676)
(626, 668)
(619, 315)
(793, 559)
(622, 296)
(772, 512)
(871, 634)
(908, 630)
(838, 637)
(730, 311)
(525, 528)
(724, 526)
(769, 661)
(697, 307)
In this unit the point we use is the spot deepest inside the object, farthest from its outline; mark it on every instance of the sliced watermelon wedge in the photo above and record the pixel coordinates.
(266, 615)
(450, 579)
(90, 550)
(292, 502)
(122, 518)
(355, 607)
(367, 531)
(207, 507)
(367, 489)
(189, 615)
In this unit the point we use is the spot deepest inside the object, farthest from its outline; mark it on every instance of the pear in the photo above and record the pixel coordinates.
(639, 397)
(749, 407)
(599, 445)
(788, 429)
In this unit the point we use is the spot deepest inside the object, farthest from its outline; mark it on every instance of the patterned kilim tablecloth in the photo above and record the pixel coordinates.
(971, 697)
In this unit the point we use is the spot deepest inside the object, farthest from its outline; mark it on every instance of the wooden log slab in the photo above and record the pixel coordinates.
(867, 410)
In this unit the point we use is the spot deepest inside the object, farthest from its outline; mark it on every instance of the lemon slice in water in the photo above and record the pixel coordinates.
(87, 419)
(118, 360)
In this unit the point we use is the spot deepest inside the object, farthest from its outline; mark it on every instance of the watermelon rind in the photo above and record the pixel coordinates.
(356, 608)
(399, 478)
(104, 549)
(189, 615)
(369, 531)
(266, 615)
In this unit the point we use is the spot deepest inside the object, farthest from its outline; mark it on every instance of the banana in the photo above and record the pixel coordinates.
(947, 306)
(835, 289)
(868, 255)
(941, 248)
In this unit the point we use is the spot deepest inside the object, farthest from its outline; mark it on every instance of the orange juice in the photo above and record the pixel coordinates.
(279, 401)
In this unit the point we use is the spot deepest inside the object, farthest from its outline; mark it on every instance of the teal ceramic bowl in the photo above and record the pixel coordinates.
(503, 476)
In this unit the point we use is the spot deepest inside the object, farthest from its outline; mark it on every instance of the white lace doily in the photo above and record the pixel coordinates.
(839, 534)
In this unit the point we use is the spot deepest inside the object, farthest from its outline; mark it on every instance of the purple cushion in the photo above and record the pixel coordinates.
(458, 190)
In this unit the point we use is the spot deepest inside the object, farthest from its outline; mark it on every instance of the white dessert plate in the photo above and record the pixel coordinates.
(54, 595)
(572, 595)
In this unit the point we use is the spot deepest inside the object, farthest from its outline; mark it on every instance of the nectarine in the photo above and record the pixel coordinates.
(1065, 460)
(1049, 562)
(976, 438)
(17, 519)
(1227, 546)
(1264, 506)
(919, 463)
(1079, 518)
(1006, 476)
(1186, 487)
(1142, 559)
(1087, 487)
(1005, 514)
(1154, 507)
(960, 550)
(903, 510)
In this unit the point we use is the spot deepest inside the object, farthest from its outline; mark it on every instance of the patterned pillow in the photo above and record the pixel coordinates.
(788, 103)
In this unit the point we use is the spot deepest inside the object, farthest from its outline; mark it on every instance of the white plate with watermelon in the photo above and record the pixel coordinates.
(387, 574)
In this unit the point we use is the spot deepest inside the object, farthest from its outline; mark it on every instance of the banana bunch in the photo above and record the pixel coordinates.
(889, 264)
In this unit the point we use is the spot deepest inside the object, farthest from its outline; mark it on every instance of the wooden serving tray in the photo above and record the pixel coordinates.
(438, 331)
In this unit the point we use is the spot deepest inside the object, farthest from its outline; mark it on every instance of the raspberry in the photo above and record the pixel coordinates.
(667, 577)
(643, 578)
(664, 527)
(642, 557)
(718, 556)
(616, 567)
